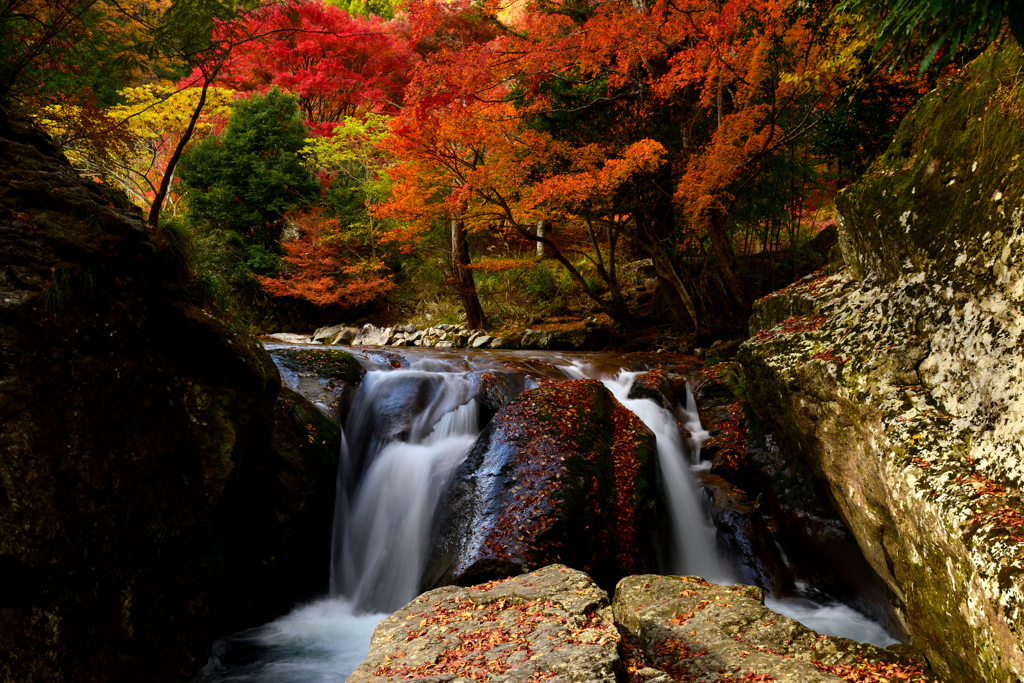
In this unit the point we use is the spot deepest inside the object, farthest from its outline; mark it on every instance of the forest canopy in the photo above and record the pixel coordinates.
(489, 160)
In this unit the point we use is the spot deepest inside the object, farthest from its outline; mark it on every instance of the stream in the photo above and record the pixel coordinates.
(407, 431)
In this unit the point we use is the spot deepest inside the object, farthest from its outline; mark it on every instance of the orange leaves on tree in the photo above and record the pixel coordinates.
(320, 273)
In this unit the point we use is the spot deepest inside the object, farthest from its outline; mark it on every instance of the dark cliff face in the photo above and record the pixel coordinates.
(134, 432)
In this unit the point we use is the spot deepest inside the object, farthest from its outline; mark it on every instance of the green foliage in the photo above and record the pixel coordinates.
(244, 180)
(67, 283)
(384, 9)
(941, 25)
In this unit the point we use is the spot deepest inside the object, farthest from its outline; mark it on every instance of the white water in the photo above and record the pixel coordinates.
(319, 643)
(380, 537)
(388, 526)
(698, 435)
(400, 462)
(832, 620)
(694, 551)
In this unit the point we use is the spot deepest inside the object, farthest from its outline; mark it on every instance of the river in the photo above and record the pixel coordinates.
(408, 429)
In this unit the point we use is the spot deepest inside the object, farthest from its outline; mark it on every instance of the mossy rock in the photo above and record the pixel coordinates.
(326, 363)
(563, 473)
(950, 183)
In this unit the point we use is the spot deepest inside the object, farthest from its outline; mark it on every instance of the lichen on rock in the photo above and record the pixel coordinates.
(552, 624)
(898, 379)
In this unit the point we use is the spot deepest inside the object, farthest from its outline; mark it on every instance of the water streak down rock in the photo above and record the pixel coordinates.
(562, 473)
(897, 379)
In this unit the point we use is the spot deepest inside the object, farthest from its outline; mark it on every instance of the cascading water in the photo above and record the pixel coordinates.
(698, 436)
(407, 430)
(693, 548)
(387, 528)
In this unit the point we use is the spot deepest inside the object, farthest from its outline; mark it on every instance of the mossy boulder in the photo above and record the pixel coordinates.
(328, 378)
(682, 628)
(897, 380)
(563, 473)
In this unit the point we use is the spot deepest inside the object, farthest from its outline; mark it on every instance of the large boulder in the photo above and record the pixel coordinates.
(897, 379)
(134, 429)
(562, 473)
(682, 628)
(551, 624)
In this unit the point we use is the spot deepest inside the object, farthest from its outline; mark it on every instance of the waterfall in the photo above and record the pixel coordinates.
(409, 429)
(698, 435)
(693, 548)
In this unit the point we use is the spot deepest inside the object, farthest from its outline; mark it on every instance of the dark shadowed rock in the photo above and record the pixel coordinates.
(551, 624)
(497, 389)
(134, 427)
(282, 542)
(691, 630)
(562, 473)
(745, 537)
(577, 339)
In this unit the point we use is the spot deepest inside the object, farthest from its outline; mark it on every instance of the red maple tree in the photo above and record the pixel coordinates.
(336, 64)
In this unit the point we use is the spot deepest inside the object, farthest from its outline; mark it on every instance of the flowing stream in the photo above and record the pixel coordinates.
(407, 431)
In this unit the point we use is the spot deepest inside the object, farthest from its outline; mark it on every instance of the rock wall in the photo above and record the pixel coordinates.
(140, 493)
(898, 378)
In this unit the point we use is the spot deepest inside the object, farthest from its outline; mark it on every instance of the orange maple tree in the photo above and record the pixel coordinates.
(319, 274)
(608, 119)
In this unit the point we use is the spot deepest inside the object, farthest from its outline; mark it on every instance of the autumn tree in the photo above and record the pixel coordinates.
(337, 65)
(325, 267)
(644, 121)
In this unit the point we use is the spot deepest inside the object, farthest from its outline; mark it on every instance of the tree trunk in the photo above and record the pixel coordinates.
(165, 182)
(463, 277)
(681, 304)
(727, 266)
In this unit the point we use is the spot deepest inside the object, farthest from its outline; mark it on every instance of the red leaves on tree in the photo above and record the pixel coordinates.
(336, 64)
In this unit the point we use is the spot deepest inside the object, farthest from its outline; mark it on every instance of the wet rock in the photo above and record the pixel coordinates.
(692, 630)
(481, 341)
(655, 386)
(497, 389)
(553, 623)
(744, 536)
(327, 377)
(562, 473)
